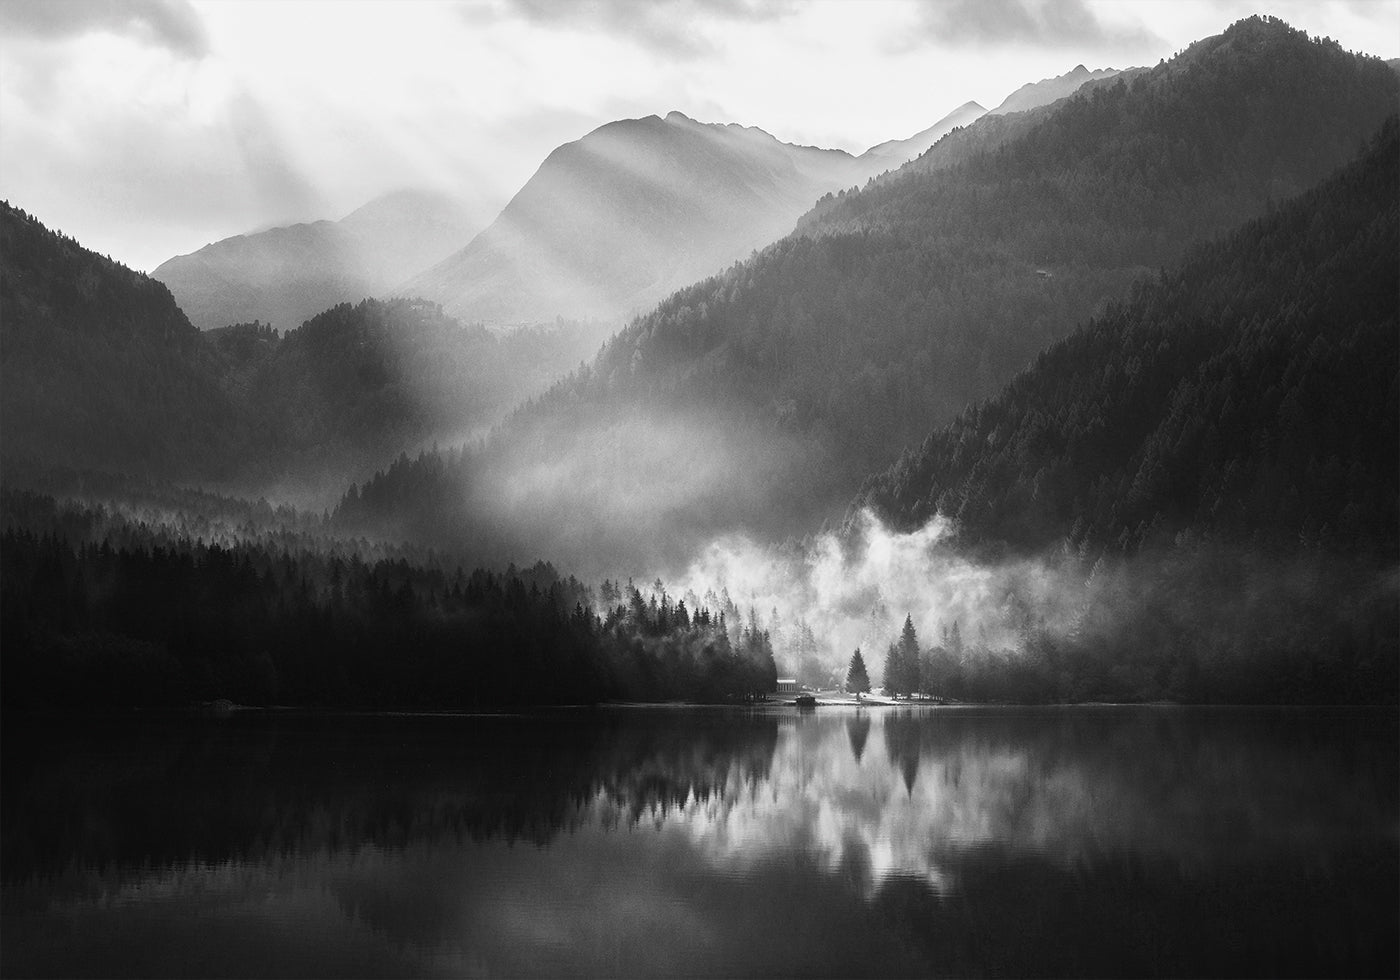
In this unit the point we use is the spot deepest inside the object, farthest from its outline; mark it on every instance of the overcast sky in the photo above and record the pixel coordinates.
(148, 128)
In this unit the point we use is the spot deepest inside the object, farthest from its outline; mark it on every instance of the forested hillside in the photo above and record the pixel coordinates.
(102, 611)
(1251, 394)
(905, 301)
(287, 275)
(895, 306)
(1204, 477)
(99, 367)
(102, 372)
(357, 383)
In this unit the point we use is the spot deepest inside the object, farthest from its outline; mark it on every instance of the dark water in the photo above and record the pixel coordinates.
(1086, 841)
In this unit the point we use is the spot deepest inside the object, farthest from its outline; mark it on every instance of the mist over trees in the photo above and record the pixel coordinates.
(897, 305)
(287, 275)
(1208, 470)
(102, 371)
(98, 611)
(1186, 491)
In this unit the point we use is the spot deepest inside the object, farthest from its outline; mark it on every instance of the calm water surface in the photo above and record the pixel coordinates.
(962, 841)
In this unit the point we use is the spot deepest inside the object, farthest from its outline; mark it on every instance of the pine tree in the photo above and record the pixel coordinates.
(857, 679)
(902, 664)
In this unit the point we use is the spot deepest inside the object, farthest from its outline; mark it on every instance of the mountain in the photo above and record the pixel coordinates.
(1022, 111)
(615, 221)
(758, 399)
(360, 383)
(1035, 94)
(1202, 480)
(893, 154)
(1250, 394)
(406, 231)
(287, 275)
(98, 365)
(100, 371)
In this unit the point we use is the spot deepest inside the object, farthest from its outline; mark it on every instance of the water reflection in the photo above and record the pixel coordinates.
(858, 731)
(1013, 841)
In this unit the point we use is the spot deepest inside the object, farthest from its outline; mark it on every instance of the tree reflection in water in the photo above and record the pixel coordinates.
(1023, 841)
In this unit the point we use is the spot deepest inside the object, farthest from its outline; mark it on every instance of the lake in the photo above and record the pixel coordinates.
(1152, 841)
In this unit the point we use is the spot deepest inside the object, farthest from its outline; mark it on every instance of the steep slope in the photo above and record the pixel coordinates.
(1202, 482)
(1032, 95)
(816, 361)
(101, 371)
(98, 366)
(287, 275)
(357, 384)
(613, 222)
(1252, 394)
(1036, 101)
(893, 154)
(406, 231)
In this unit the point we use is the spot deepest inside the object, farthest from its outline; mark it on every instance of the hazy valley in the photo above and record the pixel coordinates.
(1059, 355)
(626, 507)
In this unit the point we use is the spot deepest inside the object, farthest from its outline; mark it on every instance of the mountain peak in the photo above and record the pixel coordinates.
(1259, 25)
(894, 153)
(1032, 95)
(632, 211)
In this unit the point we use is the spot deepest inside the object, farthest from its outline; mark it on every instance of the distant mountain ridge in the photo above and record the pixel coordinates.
(893, 154)
(614, 221)
(287, 275)
(1048, 90)
(894, 307)
(669, 214)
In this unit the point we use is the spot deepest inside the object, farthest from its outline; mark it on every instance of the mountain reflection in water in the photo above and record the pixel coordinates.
(1147, 841)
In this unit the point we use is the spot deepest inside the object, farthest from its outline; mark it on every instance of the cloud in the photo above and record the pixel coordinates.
(675, 27)
(854, 591)
(1045, 23)
(170, 24)
(277, 182)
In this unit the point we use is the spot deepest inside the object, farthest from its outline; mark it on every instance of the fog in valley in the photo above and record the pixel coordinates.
(699, 488)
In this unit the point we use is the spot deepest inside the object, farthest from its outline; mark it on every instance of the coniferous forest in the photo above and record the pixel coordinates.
(103, 611)
(895, 306)
(503, 538)
(1143, 339)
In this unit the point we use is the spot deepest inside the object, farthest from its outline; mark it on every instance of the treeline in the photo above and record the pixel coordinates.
(1210, 469)
(156, 622)
(1202, 623)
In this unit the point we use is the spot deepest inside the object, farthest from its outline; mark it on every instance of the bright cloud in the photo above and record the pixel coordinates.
(147, 128)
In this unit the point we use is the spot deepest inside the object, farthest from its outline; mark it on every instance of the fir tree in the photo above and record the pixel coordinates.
(857, 679)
